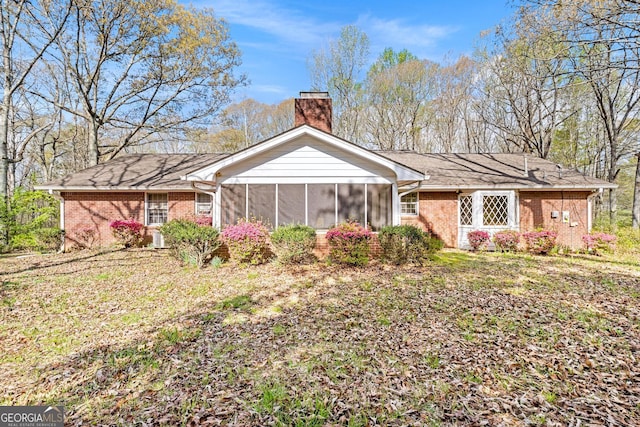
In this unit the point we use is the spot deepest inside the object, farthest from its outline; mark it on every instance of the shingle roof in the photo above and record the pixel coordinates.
(446, 171)
(136, 172)
(466, 171)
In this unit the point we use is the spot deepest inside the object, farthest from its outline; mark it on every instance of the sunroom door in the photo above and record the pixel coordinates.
(490, 211)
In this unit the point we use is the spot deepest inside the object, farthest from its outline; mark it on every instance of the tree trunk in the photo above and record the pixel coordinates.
(635, 222)
(93, 152)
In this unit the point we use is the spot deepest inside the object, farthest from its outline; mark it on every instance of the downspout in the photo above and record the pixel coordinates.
(57, 196)
(412, 189)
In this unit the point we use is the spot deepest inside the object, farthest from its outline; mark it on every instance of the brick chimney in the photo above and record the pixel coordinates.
(314, 109)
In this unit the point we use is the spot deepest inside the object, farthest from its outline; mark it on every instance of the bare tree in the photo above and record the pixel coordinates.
(27, 31)
(142, 69)
(339, 69)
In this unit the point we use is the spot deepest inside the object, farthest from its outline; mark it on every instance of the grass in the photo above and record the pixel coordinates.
(129, 337)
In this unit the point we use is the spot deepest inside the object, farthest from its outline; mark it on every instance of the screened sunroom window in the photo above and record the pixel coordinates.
(318, 205)
(157, 208)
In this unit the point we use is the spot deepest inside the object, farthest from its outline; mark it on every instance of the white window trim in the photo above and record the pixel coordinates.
(196, 203)
(146, 208)
(477, 199)
(416, 204)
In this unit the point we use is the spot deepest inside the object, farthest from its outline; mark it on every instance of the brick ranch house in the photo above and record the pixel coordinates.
(307, 175)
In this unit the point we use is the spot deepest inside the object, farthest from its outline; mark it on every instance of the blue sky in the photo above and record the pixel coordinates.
(277, 37)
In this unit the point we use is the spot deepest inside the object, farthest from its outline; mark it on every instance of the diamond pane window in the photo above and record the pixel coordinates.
(495, 210)
(466, 210)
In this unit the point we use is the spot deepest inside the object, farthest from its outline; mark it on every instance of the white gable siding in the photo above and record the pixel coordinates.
(305, 160)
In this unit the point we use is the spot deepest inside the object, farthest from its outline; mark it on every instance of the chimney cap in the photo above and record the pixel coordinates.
(314, 94)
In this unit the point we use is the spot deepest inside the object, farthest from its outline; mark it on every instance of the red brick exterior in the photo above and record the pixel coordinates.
(316, 112)
(96, 210)
(536, 208)
(438, 214)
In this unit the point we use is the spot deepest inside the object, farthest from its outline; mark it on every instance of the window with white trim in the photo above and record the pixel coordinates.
(204, 204)
(495, 210)
(409, 204)
(157, 208)
(466, 210)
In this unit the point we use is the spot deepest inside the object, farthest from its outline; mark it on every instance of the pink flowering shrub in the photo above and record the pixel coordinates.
(478, 239)
(599, 242)
(540, 242)
(204, 220)
(247, 241)
(506, 240)
(127, 231)
(349, 243)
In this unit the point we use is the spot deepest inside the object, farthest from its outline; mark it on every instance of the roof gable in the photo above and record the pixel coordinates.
(281, 151)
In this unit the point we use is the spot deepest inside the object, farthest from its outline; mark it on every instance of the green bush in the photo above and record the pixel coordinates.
(189, 242)
(294, 244)
(407, 243)
(21, 219)
(349, 243)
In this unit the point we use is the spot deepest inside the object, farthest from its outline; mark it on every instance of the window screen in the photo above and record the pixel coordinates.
(262, 203)
(291, 204)
(409, 204)
(378, 205)
(204, 203)
(351, 202)
(157, 208)
(321, 199)
(233, 204)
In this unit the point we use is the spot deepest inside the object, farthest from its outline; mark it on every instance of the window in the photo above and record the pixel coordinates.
(466, 210)
(495, 210)
(409, 204)
(317, 205)
(157, 208)
(204, 204)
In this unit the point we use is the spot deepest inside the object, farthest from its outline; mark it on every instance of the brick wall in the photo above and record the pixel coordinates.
(536, 208)
(438, 214)
(96, 210)
(322, 246)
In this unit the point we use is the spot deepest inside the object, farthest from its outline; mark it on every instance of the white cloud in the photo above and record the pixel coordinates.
(421, 40)
(285, 25)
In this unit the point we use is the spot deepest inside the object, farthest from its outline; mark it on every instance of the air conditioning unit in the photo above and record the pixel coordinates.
(158, 240)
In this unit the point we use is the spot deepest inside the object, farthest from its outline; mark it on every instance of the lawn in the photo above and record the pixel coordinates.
(132, 337)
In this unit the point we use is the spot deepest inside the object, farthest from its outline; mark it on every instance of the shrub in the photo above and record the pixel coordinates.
(85, 237)
(506, 240)
(247, 241)
(349, 243)
(190, 242)
(49, 238)
(599, 242)
(407, 243)
(204, 220)
(540, 242)
(478, 239)
(128, 232)
(293, 244)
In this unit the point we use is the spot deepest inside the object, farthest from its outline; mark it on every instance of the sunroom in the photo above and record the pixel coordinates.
(306, 176)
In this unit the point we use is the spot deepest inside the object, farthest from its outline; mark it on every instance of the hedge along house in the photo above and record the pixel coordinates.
(309, 176)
